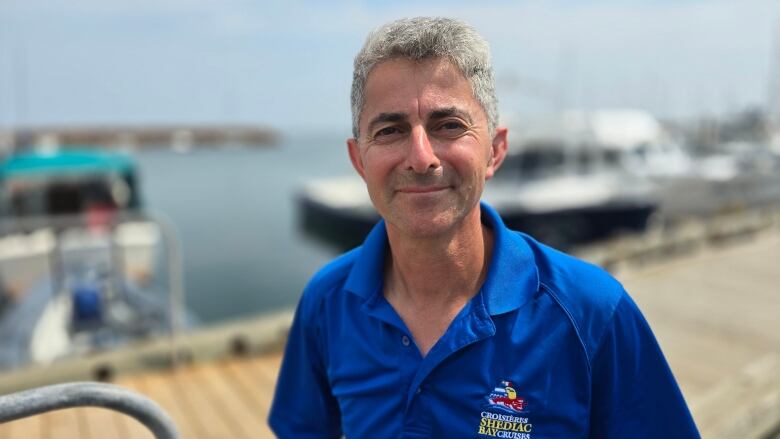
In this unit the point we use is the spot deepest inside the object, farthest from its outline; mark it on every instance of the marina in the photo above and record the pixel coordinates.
(708, 290)
(172, 176)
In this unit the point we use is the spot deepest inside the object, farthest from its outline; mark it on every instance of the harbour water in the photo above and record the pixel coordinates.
(235, 212)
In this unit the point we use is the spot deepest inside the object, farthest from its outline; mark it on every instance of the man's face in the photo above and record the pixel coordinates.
(424, 149)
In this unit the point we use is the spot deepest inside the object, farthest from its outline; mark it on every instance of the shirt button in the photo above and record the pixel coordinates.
(419, 389)
(405, 341)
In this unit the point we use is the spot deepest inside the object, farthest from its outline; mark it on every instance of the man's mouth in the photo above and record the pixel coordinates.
(422, 189)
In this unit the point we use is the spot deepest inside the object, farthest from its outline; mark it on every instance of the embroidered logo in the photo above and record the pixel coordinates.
(505, 424)
(505, 396)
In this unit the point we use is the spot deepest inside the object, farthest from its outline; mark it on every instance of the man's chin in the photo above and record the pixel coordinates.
(422, 225)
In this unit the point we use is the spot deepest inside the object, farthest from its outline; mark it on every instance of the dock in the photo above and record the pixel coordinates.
(714, 307)
(717, 318)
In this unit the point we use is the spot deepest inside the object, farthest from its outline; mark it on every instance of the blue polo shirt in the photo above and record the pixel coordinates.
(550, 347)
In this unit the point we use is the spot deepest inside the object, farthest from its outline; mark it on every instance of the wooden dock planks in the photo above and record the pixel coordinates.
(225, 399)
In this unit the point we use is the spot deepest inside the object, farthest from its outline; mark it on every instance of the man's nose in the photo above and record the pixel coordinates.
(421, 157)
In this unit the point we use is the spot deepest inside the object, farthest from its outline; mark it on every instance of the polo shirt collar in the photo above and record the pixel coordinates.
(367, 274)
(512, 277)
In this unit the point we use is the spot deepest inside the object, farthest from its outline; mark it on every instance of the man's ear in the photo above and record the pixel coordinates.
(497, 151)
(355, 157)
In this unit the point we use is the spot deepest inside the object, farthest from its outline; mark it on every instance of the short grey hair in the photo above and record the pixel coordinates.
(423, 38)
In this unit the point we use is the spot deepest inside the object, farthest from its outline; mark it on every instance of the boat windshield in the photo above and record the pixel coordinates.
(39, 197)
(533, 161)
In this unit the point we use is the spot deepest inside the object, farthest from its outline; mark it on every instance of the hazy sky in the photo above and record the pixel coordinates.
(287, 64)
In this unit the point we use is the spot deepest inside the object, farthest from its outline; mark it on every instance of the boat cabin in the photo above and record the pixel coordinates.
(67, 183)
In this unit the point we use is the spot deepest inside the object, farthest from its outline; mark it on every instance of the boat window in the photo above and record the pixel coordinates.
(586, 159)
(534, 160)
(24, 199)
(611, 156)
(64, 197)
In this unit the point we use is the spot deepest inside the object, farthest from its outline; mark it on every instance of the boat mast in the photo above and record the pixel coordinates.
(773, 83)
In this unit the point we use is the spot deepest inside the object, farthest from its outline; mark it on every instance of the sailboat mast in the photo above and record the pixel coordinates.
(773, 83)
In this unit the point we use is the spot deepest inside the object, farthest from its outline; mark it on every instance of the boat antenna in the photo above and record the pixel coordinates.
(773, 84)
(19, 85)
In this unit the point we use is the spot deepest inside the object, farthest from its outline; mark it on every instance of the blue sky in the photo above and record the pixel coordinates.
(287, 64)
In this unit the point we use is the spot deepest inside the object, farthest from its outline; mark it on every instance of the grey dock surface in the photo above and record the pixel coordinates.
(715, 312)
(717, 318)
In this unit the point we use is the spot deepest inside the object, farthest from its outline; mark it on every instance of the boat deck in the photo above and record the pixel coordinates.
(715, 314)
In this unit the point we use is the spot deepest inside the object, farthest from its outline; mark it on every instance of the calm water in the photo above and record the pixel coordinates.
(236, 216)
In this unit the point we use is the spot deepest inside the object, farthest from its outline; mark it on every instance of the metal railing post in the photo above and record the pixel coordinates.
(175, 280)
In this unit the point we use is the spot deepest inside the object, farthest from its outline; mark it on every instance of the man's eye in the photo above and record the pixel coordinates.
(387, 131)
(452, 128)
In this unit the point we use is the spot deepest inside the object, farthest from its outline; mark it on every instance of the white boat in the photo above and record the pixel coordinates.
(685, 186)
(83, 267)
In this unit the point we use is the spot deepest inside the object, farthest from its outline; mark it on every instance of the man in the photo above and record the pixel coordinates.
(444, 323)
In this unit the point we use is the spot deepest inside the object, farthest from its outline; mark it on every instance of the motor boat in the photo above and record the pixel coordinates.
(83, 266)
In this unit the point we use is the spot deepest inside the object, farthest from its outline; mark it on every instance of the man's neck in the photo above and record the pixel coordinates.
(438, 271)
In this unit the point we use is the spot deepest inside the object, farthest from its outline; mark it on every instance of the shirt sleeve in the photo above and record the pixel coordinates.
(634, 393)
(303, 405)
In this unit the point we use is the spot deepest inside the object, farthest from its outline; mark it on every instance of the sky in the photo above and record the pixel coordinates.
(287, 64)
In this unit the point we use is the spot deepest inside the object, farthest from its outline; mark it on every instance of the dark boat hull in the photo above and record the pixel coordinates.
(567, 228)
(341, 228)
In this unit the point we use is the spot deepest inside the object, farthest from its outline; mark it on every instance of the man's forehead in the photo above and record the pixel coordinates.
(431, 88)
(391, 74)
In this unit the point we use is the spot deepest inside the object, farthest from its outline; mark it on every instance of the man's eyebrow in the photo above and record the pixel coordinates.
(386, 117)
(441, 113)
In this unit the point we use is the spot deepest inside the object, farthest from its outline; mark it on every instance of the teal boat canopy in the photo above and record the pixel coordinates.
(72, 163)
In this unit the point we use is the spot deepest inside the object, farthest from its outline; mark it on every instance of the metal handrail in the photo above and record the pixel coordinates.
(79, 394)
(175, 279)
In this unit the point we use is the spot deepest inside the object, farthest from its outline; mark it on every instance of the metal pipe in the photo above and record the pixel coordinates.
(60, 396)
(176, 290)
